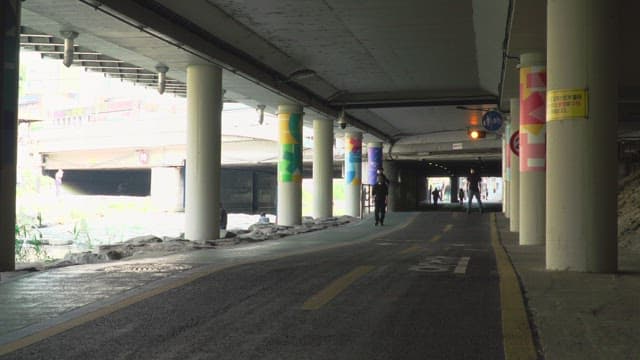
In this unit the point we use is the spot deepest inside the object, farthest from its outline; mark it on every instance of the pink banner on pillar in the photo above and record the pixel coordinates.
(533, 142)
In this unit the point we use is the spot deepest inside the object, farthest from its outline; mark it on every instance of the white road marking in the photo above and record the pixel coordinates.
(435, 264)
(462, 265)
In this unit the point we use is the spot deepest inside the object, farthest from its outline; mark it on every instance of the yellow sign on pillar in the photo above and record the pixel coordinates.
(567, 104)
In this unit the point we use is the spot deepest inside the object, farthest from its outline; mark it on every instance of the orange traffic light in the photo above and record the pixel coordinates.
(477, 134)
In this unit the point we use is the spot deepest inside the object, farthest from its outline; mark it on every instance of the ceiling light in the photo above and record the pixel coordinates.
(260, 108)
(301, 74)
(68, 46)
(162, 77)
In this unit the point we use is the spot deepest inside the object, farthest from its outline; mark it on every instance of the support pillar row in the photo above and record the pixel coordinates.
(533, 147)
(514, 188)
(506, 156)
(582, 114)
(352, 172)
(374, 161)
(391, 172)
(322, 168)
(202, 192)
(290, 165)
(9, 50)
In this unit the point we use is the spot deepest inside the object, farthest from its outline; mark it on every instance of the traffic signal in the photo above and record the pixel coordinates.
(477, 134)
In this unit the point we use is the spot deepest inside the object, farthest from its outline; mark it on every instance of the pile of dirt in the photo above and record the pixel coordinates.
(629, 212)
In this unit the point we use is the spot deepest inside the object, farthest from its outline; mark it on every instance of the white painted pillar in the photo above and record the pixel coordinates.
(352, 172)
(10, 43)
(322, 168)
(202, 192)
(290, 165)
(166, 188)
(504, 176)
(514, 188)
(507, 170)
(582, 114)
(533, 147)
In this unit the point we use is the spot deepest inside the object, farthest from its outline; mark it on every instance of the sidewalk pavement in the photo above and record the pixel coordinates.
(578, 315)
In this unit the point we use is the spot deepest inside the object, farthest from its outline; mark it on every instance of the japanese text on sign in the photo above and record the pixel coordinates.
(566, 104)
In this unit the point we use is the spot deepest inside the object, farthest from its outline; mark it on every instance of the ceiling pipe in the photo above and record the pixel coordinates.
(68, 36)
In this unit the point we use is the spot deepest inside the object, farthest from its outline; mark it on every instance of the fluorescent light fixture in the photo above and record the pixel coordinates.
(162, 77)
(68, 36)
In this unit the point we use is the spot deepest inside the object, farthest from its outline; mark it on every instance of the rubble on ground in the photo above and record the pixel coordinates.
(150, 245)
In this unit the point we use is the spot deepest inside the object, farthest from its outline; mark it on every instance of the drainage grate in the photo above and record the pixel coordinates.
(147, 268)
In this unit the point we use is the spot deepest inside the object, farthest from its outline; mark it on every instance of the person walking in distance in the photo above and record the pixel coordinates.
(461, 197)
(473, 189)
(436, 195)
(380, 192)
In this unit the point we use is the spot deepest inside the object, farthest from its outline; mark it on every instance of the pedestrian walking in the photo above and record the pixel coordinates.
(380, 192)
(436, 196)
(473, 189)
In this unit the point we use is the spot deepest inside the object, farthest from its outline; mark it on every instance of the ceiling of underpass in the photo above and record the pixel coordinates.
(415, 73)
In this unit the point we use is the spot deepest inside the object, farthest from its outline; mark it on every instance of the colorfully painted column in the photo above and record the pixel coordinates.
(9, 50)
(290, 165)
(374, 161)
(514, 173)
(533, 144)
(202, 183)
(352, 172)
(322, 168)
(582, 114)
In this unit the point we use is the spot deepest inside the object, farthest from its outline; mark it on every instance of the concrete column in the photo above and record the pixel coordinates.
(533, 78)
(290, 165)
(204, 109)
(322, 168)
(352, 172)
(166, 188)
(514, 188)
(454, 188)
(391, 171)
(506, 159)
(374, 161)
(9, 50)
(582, 61)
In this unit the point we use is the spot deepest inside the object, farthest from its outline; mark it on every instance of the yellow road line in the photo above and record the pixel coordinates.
(336, 287)
(517, 337)
(207, 270)
(447, 228)
(410, 249)
(435, 238)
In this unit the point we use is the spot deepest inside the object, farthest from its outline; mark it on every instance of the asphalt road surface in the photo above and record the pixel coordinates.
(426, 291)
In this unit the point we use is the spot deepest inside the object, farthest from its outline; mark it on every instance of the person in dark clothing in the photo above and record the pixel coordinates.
(380, 192)
(223, 218)
(461, 196)
(379, 173)
(436, 195)
(473, 189)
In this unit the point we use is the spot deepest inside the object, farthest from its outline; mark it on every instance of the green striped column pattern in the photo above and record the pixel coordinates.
(290, 163)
